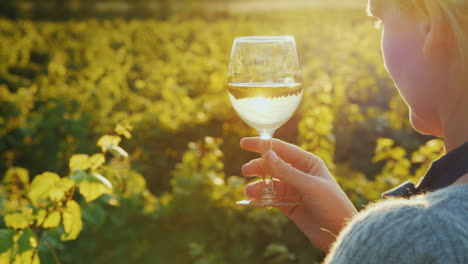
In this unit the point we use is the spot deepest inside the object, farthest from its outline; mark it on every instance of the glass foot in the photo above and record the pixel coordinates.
(266, 202)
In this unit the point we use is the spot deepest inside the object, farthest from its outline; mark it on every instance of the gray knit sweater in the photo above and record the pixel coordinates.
(427, 228)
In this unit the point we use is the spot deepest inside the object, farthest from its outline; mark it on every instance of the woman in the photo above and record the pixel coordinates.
(425, 49)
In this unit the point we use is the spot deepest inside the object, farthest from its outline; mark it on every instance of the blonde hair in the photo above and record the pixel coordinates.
(454, 11)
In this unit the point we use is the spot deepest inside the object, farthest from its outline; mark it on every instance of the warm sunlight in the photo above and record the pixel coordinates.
(233, 131)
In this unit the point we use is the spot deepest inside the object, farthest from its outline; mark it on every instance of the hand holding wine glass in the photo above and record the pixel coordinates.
(265, 88)
(323, 207)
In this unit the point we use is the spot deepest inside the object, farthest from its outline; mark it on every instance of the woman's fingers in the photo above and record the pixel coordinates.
(284, 190)
(280, 169)
(253, 168)
(292, 154)
(281, 188)
(276, 167)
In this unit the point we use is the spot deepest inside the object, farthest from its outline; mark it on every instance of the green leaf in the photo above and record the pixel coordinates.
(6, 240)
(48, 243)
(16, 221)
(79, 162)
(27, 244)
(27, 241)
(42, 186)
(95, 215)
(52, 220)
(71, 219)
(92, 190)
(79, 176)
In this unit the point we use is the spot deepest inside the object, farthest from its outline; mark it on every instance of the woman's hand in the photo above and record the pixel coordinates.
(301, 176)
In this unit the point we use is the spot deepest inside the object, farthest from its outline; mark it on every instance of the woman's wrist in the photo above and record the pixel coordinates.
(349, 211)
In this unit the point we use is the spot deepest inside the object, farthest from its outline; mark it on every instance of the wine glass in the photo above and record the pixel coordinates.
(265, 88)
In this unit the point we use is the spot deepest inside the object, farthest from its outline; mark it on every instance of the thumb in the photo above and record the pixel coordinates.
(279, 169)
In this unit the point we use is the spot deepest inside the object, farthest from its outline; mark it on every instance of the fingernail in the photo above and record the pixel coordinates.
(244, 169)
(272, 157)
(242, 142)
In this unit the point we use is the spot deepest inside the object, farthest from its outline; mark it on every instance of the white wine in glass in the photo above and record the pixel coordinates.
(265, 88)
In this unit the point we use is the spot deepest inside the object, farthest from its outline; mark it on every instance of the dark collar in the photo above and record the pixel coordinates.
(442, 173)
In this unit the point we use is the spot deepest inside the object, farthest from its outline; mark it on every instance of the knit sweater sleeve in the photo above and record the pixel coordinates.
(392, 231)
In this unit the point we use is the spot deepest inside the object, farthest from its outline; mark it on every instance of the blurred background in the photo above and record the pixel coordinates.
(118, 143)
(154, 9)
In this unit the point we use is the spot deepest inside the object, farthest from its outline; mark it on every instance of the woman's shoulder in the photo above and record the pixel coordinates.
(434, 203)
(451, 201)
(430, 227)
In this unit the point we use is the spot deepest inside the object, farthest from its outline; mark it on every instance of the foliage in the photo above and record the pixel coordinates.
(161, 86)
(42, 214)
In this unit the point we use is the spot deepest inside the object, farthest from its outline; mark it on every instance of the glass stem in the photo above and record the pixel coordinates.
(268, 189)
